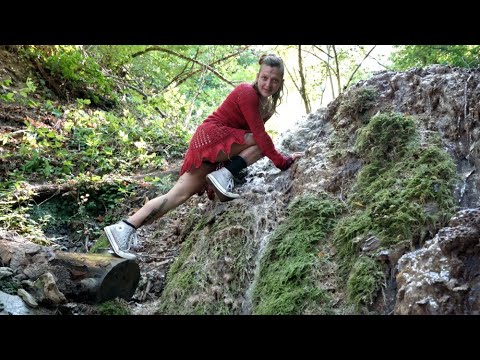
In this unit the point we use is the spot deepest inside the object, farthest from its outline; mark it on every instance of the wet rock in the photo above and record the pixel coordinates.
(46, 290)
(14, 305)
(443, 277)
(29, 299)
(5, 272)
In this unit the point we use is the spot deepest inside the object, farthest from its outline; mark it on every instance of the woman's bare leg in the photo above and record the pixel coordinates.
(187, 185)
(191, 183)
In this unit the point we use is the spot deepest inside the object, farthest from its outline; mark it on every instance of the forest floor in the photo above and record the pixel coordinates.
(158, 243)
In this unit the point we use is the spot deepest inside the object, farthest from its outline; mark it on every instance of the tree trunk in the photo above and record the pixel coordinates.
(303, 85)
(329, 73)
(91, 278)
(337, 66)
(44, 192)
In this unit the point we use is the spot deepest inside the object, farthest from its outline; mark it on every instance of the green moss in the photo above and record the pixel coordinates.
(403, 192)
(100, 245)
(9, 286)
(364, 281)
(113, 307)
(357, 101)
(347, 229)
(354, 111)
(214, 267)
(286, 283)
(386, 137)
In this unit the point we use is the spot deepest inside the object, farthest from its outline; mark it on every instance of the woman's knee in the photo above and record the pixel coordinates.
(178, 195)
(191, 183)
(249, 139)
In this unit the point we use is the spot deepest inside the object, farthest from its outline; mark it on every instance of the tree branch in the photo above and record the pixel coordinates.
(293, 79)
(324, 61)
(145, 96)
(358, 66)
(316, 47)
(174, 53)
(193, 72)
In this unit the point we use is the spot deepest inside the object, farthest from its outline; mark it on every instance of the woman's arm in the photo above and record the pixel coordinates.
(248, 102)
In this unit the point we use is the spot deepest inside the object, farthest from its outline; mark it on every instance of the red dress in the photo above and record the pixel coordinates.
(239, 114)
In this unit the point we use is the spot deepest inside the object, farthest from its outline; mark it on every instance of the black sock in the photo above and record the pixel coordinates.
(126, 222)
(236, 164)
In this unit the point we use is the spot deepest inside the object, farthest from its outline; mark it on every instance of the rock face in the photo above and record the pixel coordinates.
(443, 276)
(447, 101)
(439, 277)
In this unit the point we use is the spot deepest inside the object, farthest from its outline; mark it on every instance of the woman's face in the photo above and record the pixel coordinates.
(269, 80)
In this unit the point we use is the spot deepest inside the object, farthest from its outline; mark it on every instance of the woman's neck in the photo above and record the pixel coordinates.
(265, 107)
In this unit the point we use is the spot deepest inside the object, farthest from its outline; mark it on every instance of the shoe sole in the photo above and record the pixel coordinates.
(111, 240)
(218, 190)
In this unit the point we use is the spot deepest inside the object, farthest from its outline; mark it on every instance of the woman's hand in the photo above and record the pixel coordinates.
(297, 155)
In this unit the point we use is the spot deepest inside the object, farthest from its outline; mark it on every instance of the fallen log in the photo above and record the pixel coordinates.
(96, 277)
(80, 277)
(44, 192)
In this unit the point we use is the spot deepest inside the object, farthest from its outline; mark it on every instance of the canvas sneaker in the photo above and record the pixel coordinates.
(123, 238)
(222, 182)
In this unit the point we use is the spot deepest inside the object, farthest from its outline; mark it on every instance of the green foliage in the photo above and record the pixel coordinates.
(98, 142)
(113, 57)
(56, 211)
(408, 56)
(163, 184)
(177, 78)
(100, 245)
(14, 209)
(114, 307)
(286, 284)
(137, 135)
(80, 73)
(404, 191)
(21, 96)
(75, 213)
(56, 111)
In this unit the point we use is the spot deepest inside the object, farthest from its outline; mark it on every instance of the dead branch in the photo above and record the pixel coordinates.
(358, 66)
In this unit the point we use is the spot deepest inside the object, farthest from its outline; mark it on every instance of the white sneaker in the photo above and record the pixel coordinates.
(122, 237)
(222, 182)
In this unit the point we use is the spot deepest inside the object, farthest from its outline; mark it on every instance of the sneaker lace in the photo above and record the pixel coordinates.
(230, 184)
(133, 241)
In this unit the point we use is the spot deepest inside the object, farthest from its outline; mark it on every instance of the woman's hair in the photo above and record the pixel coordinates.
(273, 61)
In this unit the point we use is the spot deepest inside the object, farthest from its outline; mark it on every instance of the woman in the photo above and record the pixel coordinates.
(233, 136)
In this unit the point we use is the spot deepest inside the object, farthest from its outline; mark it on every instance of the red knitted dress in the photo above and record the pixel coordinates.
(239, 114)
